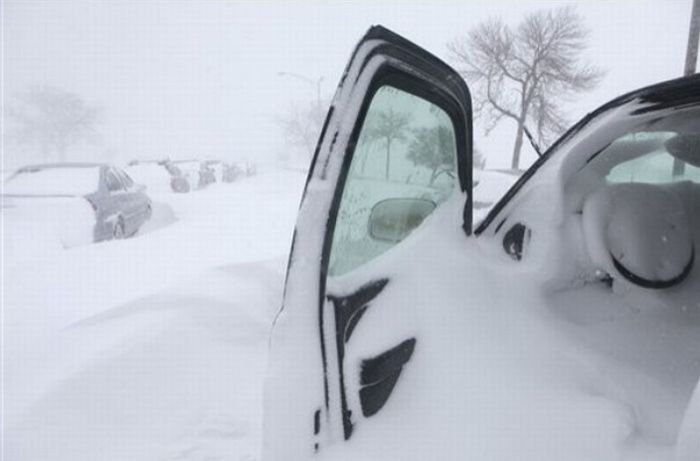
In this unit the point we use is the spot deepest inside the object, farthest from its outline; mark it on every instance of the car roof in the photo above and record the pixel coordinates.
(672, 93)
(46, 166)
(141, 162)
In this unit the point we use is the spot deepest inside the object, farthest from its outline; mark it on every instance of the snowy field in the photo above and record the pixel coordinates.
(154, 347)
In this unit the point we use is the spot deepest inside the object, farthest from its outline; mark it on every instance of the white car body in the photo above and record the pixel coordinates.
(565, 324)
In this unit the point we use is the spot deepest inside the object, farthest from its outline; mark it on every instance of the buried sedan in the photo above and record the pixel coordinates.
(81, 202)
(564, 324)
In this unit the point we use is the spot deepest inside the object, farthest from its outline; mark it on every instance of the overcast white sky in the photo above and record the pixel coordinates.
(200, 77)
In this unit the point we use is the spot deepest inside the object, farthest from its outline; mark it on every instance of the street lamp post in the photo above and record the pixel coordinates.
(315, 83)
(691, 59)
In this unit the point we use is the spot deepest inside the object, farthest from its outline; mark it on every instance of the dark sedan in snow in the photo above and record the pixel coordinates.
(118, 206)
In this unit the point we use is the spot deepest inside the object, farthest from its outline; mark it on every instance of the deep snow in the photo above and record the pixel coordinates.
(503, 369)
(156, 347)
(152, 347)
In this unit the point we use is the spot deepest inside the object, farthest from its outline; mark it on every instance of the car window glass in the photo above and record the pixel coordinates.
(125, 178)
(403, 166)
(113, 183)
(652, 162)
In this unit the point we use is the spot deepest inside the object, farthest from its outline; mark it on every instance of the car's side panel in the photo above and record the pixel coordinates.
(133, 202)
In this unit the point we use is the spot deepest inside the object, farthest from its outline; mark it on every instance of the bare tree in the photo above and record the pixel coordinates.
(526, 73)
(302, 125)
(387, 127)
(434, 148)
(51, 120)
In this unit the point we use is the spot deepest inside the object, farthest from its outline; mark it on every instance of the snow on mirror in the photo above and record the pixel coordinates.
(403, 167)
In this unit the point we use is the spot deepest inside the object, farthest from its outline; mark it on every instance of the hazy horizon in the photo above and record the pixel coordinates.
(201, 79)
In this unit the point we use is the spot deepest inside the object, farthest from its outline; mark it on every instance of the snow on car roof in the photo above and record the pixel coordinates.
(54, 180)
(189, 165)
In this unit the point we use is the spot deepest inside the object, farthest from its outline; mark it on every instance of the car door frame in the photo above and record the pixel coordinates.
(398, 48)
(381, 57)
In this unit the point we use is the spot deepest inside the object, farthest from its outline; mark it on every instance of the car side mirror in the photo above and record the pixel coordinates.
(391, 220)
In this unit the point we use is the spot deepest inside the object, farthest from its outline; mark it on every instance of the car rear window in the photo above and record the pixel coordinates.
(54, 181)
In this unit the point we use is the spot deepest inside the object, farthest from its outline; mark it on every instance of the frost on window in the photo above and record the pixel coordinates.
(406, 150)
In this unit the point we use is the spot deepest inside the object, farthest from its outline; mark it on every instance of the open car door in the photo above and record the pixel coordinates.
(394, 152)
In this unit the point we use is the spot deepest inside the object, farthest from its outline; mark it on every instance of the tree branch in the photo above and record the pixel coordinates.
(496, 105)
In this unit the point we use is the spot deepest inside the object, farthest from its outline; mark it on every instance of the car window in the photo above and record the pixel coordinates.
(125, 178)
(404, 165)
(655, 166)
(113, 182)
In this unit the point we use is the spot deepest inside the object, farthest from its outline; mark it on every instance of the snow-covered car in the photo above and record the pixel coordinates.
(230, 172)
(217, 168)
(223, 171)
(87, 201)
(563, 325)
(191, 172)
(151, 173)
(207, 174)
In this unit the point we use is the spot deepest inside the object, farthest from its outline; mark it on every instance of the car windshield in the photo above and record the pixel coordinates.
(657, 149)
(54, 181)
(654, 165)
(638, 139)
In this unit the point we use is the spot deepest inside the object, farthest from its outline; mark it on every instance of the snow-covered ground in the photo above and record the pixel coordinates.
(155, 347)
(152, 347)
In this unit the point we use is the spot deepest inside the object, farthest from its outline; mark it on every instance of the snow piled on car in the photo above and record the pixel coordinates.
(34, 225)
(66, 181)
(511, 361)
(152, 175)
